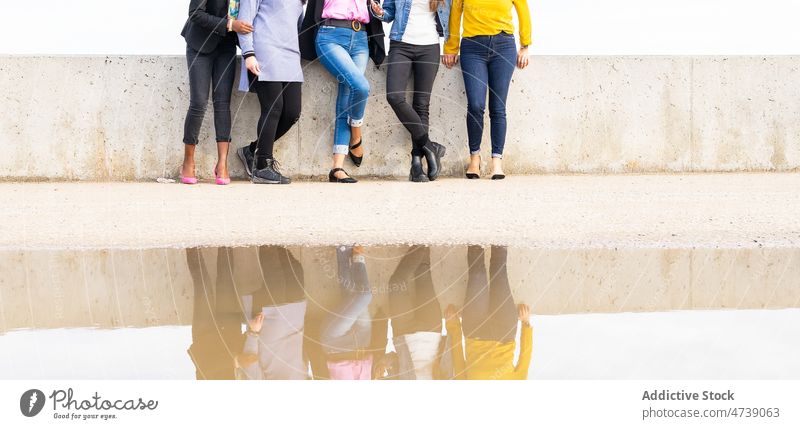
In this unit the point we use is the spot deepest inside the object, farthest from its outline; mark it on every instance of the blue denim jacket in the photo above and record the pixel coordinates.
(397, 11)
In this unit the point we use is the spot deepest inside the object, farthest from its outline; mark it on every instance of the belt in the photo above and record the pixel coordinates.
(349, 355)
(344, 23)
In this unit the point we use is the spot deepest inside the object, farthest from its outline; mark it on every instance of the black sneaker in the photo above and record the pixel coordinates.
(248, 159)
(270, 174)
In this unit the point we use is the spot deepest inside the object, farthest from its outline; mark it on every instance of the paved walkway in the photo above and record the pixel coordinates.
(715, 210)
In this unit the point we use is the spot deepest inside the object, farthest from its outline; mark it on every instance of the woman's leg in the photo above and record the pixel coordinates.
(337, 331)
(270, 96)
(398, 74)
(428, 310)
(200, 70)
(290, 114)
(503, 313)
(359, 90)
(292, 106)
(293, 275)
(223, 75)
(402, 292)
(426, 66)
(478, 303)
(347, 66)
(501, 68)
(474, 68)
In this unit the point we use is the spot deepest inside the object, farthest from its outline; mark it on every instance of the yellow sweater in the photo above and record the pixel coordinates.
(487, 18)
(490, 360)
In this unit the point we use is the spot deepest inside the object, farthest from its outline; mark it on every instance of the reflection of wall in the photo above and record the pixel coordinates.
(46, 289)
(568, 115)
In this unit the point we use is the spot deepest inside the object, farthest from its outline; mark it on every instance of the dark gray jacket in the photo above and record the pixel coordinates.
(207, 25)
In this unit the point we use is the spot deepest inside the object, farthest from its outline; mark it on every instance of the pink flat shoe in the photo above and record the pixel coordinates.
(220, 180)
(189, 180)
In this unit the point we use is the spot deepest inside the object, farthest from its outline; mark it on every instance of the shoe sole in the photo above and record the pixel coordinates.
(243, 158)
(259, 181)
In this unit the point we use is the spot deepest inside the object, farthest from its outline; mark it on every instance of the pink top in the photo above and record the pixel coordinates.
(351, 369)
(351, 10)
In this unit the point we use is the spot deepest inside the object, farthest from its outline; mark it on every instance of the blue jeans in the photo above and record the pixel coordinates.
(489, 311)
(348, 326)
(487, 61)
(344, 53)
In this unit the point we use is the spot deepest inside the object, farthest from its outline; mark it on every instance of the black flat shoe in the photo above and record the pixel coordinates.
(417, 174)
(333, 179)
(356, 159)
(498, 176)
(434, 152)
(473, 176)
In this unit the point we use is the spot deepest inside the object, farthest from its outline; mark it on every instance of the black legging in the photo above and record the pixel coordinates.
(280, 109)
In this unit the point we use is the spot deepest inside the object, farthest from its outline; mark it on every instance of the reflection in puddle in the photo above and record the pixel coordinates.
(401, 338)
(347, 312)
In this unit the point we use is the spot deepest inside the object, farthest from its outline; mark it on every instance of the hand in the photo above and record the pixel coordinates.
(522, 58)
(449, 60)
(524, 312)
(252, 64)
(241, 27)
(451, 313)
(255, 323)
(377, 9)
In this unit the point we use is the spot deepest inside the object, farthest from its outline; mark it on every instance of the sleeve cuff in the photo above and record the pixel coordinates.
(248, 54)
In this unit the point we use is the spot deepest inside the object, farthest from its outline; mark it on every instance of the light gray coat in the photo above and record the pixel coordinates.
(274, 39)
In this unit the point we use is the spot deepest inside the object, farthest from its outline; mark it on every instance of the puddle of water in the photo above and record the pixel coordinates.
(334, 312)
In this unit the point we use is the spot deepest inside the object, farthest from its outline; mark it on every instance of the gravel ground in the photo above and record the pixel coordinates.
(620, 211)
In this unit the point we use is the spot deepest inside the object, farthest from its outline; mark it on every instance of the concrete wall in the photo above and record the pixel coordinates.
(121, 118)
(43, 289)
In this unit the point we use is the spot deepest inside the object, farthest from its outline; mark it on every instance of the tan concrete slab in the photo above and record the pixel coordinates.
(663, 211)
(121, 118)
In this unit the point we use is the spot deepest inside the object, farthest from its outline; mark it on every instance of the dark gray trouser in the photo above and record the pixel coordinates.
(212, 72)
(412, 300)
(421, 61)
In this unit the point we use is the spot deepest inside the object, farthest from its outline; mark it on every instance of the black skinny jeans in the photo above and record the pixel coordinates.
(413, 305)
(281, 103)
(214, 71)
(421, 61)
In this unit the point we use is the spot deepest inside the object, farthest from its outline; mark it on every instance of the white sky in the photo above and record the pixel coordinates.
(561, 27)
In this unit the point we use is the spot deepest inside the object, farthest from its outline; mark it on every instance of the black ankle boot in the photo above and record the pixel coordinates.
(417, 174)
(433, 156)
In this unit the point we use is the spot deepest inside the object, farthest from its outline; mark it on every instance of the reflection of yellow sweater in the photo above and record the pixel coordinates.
(490, 360)
(487, 18)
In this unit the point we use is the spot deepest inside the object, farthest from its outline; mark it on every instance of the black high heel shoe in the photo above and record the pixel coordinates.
(333, 179)
(356, 159)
